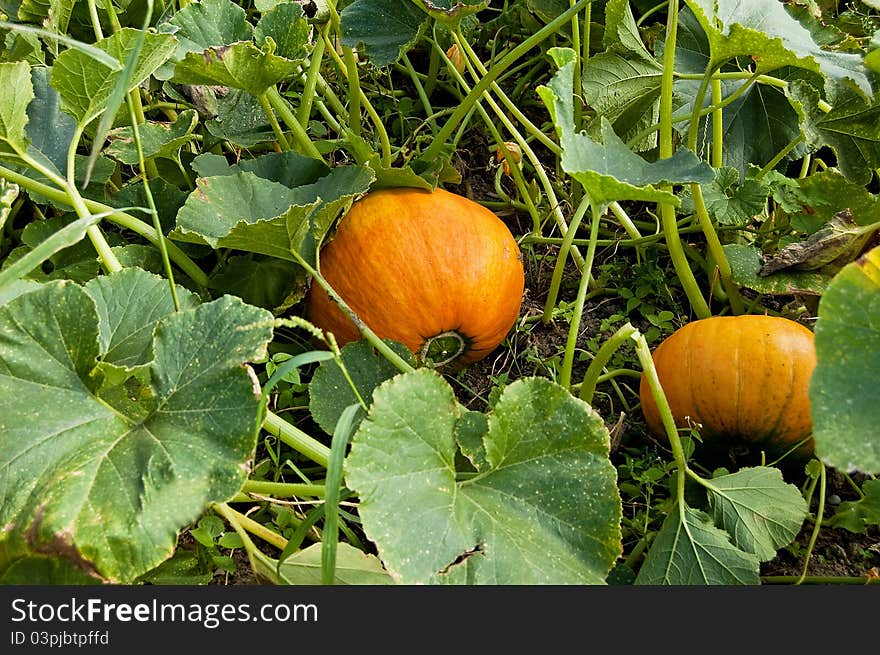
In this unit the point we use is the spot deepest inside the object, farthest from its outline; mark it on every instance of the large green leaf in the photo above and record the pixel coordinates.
(54, 15)
(15, 78)
(49, 129)
(329, 390)
(387, 28)
(246, 212)
(287, 27)
(621, 31)
(256, 214)
(288, 168)
(609, 170)
(106, 482)
(353, 567)
(845, 403)
(756, 126)
(772, 38)
(690, 550)
(157, 139)
(625, 91)
(758, 508)
(239, 65)
(851, 128)
(547, 509)
(129, 304)
(85, 84)
(200, 25)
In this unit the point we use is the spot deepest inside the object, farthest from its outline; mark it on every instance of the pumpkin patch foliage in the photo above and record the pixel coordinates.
(491, 292)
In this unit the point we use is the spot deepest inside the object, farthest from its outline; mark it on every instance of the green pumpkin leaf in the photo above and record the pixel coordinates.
(85, 85)
(846, 410)
(107, 486)
(746, 261)
(287, 27)
(49, 129)
(621, 31)
(758, 508)
(353, 567)
(263, 282)
(387, 28)
(329, 391)
(254, 214)
(773, 38)
(288, 168)
(200, 25)
(851, 129)
(546, 511)
(129, 304)
(626, 92)
(157, 139)
(858, 515)
(757, 125)
(15, 78)
(690, 550)
(236, 116)
(54, 15)
(239, 65)
(609, 170)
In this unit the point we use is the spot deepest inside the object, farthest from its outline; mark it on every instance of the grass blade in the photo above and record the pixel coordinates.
(341, 436)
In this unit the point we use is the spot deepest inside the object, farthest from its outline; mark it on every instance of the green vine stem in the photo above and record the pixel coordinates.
(515, 171)
(511, 106)
(433, 151)
(577, 313)
(304, 110)
(712, 241)
(717, 251)
(357, 97)
(643, 352)
(625, 221)
(559, 267)
(283, 489)
(273, 121)
(817, 526)
(420, 91)
(106, 255)
(603, 356)
(349, 65)
(546, 184)
(157, 225)
(770, 165)
(243, 524)
(667, 210)
(717, 125)
(296, 438)
(117, 216)
(280, 105)
(364, 329)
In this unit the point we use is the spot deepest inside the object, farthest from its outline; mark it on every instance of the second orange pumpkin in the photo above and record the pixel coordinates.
(744, 379)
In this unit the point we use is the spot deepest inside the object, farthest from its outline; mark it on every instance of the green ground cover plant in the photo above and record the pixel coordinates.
(170, 171)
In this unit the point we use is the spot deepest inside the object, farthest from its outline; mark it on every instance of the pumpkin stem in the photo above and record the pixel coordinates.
(443, 348)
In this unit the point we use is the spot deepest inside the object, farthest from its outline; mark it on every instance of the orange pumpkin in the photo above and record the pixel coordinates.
(432, 269)
(744, 379)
